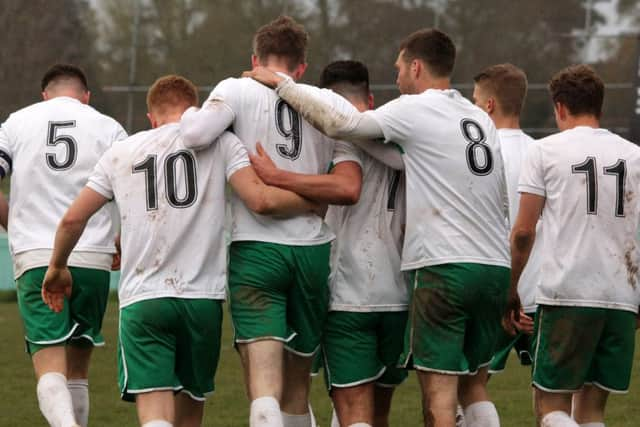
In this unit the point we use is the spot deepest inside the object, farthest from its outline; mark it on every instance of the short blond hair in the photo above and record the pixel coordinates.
(508, 84)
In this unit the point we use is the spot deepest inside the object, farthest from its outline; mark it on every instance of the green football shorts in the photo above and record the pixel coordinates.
(279, 292)
(79, 323)
(360, 348)
(454, 318)
(521, 343)
(575, 346)
(169, 344)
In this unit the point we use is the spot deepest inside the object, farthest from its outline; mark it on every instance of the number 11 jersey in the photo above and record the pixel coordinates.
(591, 179)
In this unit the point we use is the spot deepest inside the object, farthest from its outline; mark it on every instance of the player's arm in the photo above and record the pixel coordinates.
(327, 111)
(339, 187)
(4, 212)
(200, 127)
(267, 200)
(57, 280)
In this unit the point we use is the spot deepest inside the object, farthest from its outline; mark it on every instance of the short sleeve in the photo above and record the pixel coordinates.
(119, 133)
(395, 120)
(531, 175)
(227, 91)
(235, 154)
(100, 179)
(6, 160)
(346, 152)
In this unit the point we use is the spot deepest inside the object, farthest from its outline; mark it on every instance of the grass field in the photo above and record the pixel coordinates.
(229, 406)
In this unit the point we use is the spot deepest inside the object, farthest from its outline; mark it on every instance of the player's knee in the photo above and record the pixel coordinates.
(558, 419)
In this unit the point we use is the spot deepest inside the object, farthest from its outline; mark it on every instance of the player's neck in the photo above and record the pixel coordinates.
(506, 122)
(280, 67)
(431, 83)
(165, 119)
(585, 120)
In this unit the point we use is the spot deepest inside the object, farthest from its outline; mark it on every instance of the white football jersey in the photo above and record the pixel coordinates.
(513, 146)
(590, 178)
(50, 149)
(455, 179)
(293, 145)
(172, 210)
(365, 257)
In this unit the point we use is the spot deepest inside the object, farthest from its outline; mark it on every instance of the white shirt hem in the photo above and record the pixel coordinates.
(191, 295)
(368, 308)
(588, 304)
(414, 265)
(289, 242)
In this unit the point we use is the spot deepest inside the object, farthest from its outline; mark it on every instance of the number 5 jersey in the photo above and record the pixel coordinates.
(50, 149)
(590, 178)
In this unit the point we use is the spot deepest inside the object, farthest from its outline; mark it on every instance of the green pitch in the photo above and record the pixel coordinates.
(229, 406)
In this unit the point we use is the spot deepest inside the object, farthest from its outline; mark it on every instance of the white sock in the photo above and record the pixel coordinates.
(265, 412)
(558, 419)
(460, 422)
(157, 423)
(481, 414)
(314, 423)
(592, 425)
(290, 420)
(55, 400)
(79, 390)
(334, 419)
(360, 425)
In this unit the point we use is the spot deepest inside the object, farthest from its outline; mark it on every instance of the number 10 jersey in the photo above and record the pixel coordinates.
(590, 178)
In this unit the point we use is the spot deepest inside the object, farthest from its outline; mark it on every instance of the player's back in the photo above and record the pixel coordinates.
(591, 178)
(54, 145)
(455, 179)
(172, 208)
(293, 145)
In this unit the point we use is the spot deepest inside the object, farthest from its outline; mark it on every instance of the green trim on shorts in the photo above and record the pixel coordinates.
(569, 355)
(520, 343)
(80, 321)
(454, 318)
(360, 348)
(169, 344)
(279, 292)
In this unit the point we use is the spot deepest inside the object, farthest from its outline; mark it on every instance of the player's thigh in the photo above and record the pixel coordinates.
(613, 358)
(147, 347)
(198, 345)
(351, 349)
(435, 332)
(486, 288)
(88, 303)
(42, 326)
(564, 348)
(259, 278)
(389, 347)
(308, 298)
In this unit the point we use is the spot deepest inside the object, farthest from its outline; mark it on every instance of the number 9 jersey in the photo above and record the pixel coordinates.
(50, 149)
(455, 180)
(590, 179)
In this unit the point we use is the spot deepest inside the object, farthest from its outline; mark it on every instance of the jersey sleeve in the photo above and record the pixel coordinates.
(5, 152)
(531, 175)
(227, 91)
(346, 152)
(100, 180)
(395, 118)
(235, 154)
(119, 133)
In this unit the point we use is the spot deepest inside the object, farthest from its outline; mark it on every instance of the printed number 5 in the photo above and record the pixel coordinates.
(67, 140)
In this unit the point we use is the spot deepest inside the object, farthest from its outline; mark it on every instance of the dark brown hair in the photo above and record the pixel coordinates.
(579, 88)
(64, 72)
(171, 91)
(282, 37)
(434, 48)
(507, 84)
(348, 78)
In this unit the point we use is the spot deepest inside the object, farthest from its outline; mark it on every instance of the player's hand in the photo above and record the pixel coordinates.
(511, 316)
(117, 257)
(263, 165)
(55, 287)
(524, 323)
(264, 76)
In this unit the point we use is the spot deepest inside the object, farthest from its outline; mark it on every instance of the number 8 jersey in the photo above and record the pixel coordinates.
(50, 149)
(455, 182)
(590, 179)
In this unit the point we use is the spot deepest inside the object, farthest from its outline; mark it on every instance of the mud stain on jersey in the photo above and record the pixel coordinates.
(436, 212)
(628, 196)
(632, 266)
(139, 270)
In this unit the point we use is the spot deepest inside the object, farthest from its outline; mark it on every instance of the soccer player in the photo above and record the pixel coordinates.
(455, 245)
(278, 269)
(369, 296)
(172, 207)
(500, 90)
(50, 149)
(584, 181)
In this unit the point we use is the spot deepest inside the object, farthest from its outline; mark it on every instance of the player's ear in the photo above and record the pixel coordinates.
(254, 61)
(370, 100)
(152, 120)
(45, 96)
(491, 105)
(299, 71)
(86, 96)
(416, 69)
